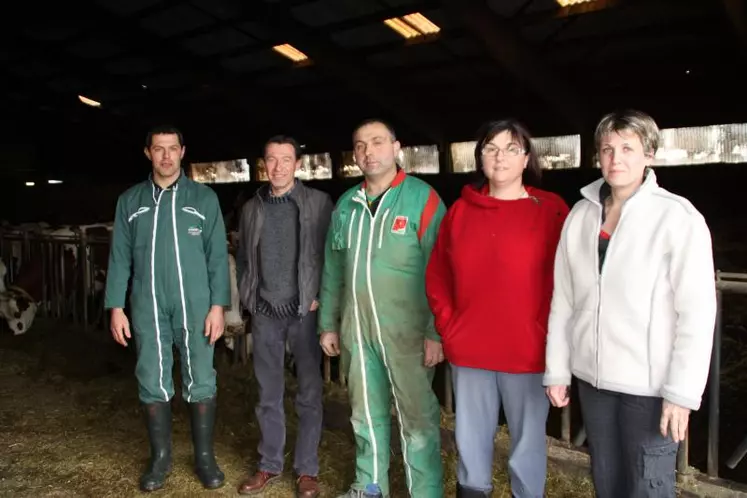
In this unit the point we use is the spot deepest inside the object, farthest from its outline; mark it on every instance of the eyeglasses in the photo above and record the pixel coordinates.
(511, 151)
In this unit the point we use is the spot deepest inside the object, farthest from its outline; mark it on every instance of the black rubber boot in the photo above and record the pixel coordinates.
(463, 492)
(158, 421)
(203, 421)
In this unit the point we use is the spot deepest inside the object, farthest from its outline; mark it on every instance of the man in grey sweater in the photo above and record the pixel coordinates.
(279, 263)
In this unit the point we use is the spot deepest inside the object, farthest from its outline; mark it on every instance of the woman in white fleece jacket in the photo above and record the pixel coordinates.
(633, 312)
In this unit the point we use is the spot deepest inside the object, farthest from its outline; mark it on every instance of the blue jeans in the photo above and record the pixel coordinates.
(479, 396)
(629, 456)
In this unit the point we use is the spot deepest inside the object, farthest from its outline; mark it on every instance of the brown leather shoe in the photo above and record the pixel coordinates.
(257, 482)
(307, 487)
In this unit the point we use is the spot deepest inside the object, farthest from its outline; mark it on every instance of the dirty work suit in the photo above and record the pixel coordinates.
(373, 295)
(172, 242)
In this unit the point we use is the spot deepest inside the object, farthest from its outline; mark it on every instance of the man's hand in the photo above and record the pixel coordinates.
(214, 324)
(674, 420)
(434, 353)
(559, 395)
(314, 305)
(330, 342)
(120, 326)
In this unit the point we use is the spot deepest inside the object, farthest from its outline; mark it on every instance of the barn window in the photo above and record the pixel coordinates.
(236, 170)
(349, 168)
(419, 159)
(702, 145)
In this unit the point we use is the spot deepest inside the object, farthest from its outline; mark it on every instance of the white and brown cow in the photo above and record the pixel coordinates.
(17, 307)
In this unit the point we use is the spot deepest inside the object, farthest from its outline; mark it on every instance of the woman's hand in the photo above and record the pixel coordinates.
(674, 419)
(559, 395)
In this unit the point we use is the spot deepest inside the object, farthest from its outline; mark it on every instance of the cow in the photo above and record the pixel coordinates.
(35, 263)
(17, 307)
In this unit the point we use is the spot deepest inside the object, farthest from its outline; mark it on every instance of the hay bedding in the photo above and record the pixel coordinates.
(70, 426)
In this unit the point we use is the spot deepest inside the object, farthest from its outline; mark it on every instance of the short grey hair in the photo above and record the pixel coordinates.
(630, 120)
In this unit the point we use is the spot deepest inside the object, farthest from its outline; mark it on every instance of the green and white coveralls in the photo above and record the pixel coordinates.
(373, 295)
(172, 243)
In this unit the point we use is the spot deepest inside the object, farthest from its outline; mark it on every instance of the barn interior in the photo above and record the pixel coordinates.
(82, 82)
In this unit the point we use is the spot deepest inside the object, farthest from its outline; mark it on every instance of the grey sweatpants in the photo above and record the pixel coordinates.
(480, 394)
(270, 335)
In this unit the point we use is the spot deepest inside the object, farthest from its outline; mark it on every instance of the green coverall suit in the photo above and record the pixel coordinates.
(173, 244)
(373, 295)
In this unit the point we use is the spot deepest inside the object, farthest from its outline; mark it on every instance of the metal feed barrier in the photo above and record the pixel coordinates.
(61, 270)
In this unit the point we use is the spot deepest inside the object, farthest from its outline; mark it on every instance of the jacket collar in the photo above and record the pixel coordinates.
(597, 190)
(180, 181)
(264, 191)
(398, 179)
(479, 196)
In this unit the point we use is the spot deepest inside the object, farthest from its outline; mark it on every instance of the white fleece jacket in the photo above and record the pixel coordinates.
(644, 326)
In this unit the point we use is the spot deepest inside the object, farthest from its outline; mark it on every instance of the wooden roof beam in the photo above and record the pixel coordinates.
(505, 45)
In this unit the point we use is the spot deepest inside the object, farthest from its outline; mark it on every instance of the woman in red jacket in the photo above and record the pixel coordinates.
(489, 283)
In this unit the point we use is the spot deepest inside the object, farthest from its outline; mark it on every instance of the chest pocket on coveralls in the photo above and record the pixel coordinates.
(343, 230)
(398, 240)
(138, 220)
(195, 225)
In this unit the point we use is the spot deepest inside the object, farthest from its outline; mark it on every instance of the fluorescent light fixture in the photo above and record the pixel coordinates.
(422, 23)
(30, 184)
(402, 28)
(54, 182)
(290, 52)
(88, 101)
(412, 25)
(567, 3)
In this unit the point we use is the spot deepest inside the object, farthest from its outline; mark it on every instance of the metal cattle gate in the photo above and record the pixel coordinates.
(61, 269)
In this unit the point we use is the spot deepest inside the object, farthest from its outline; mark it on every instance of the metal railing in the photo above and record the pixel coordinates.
(61, 270)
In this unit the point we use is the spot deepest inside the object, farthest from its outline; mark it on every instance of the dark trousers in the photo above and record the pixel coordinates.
(629, 456)
(270, 335)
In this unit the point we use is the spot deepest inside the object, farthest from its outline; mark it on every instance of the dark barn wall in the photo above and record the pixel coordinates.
(717, 190)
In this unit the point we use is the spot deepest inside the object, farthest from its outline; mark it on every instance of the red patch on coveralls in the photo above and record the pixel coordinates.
(399, 225)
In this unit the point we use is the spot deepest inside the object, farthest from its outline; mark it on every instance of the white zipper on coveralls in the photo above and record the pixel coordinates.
(181, 294)
(371, 231)
(153, 292)
(359, 337)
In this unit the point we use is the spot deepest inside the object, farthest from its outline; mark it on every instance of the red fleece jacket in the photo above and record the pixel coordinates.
(489, 279)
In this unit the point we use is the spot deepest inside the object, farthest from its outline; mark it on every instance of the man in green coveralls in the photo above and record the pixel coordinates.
(373, 310)
(169, 237)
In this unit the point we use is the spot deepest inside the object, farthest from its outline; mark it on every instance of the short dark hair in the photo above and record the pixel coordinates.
(532, 173)
(285, 139)
(164, 129)
(370, 121)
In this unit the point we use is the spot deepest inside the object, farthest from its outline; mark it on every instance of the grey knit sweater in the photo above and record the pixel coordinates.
(278, 258)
